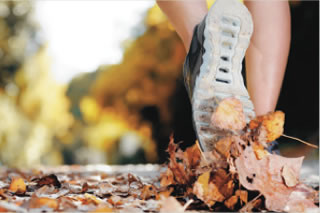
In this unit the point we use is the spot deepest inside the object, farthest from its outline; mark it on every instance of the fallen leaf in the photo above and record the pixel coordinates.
(192, 156)
(223, 146)
(37, 202)
(243, 195)
(207, 191)
(164, 194)
(115, 200)
(91, 199)
(48, 180)
(147, 192)
(231, 202)
(166, 178)
(103, 209)
(17, 185)
(85, 187)
(227, 189)
(177, 168)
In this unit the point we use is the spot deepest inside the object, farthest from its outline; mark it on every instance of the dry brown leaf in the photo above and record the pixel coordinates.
(265, 176)
(166, 178)
(17, 185)
(192, 156)
(178, 169)
(243, 195)
(66, 203)
(289, 176)
(220, 177)
(229, 115)
(48, 180)
(147, 192)
(91, 199)
(223, 146)
(227, 189)
(207, 191)
(164, 194)
(115, 200)
(37, 202)
(85, 187)
(231, 202)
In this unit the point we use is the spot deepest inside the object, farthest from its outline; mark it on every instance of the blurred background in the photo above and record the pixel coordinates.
(85, 82)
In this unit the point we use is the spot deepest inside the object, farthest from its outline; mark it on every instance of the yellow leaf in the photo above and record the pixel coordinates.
(17, 185)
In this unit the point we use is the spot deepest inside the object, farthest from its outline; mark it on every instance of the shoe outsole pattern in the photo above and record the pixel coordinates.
(226, 37)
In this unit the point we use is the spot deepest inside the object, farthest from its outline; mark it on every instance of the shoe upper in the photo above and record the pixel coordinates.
(193, 61)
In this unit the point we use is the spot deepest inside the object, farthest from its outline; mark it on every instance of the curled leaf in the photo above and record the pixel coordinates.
(289, 176)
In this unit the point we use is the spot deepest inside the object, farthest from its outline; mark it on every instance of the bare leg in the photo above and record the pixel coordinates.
(266, 57)
(184, 16)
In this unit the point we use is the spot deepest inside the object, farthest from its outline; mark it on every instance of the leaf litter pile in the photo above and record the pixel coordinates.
(238, 175)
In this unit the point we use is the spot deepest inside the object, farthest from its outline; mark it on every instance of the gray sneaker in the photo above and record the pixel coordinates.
(212, 69)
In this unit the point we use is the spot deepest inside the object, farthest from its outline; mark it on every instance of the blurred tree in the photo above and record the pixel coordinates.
(132, 96)
(33, 108)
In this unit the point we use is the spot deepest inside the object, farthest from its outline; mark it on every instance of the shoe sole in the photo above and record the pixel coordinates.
(226, 37)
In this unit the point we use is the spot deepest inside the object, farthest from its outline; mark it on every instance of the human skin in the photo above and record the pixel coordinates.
(267, 55)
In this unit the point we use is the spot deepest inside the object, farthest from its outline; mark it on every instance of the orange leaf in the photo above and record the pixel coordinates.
(207, 191)
(147, 192)
(243, 195)
(103, 209)
(36, 202)
(231, 202)
(272, 123)
(192, 156)
(91, 199)
(166, 178)
(229, 115)
(223, 146)
(17, 185)
(259, 150)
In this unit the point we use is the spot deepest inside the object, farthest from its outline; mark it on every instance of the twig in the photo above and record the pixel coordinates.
(304, 142)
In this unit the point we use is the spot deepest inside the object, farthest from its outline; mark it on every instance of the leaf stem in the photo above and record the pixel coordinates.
(302, 141)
